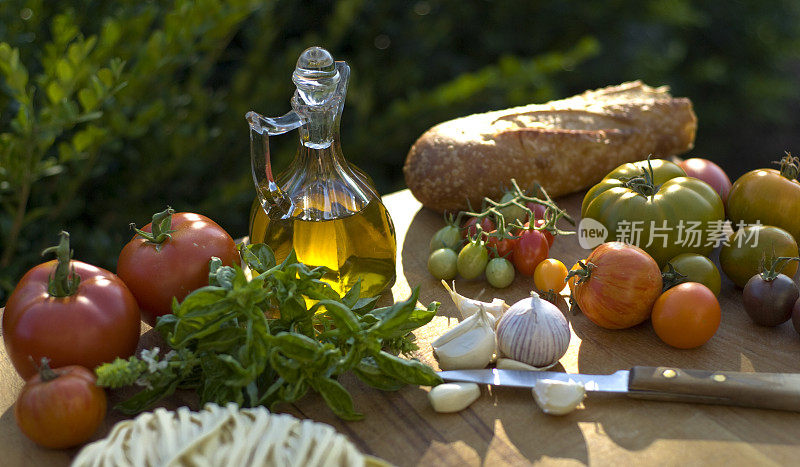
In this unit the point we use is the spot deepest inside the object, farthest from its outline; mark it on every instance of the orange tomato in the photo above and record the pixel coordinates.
(550, 275)
(686, 316)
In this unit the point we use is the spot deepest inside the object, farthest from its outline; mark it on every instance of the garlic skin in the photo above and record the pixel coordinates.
(533, 331)
(509, 364)
(558, 397)
(471, 344)
(468, 307)
(453, 397)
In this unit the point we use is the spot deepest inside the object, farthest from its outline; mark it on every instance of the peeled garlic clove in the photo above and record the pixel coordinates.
(533, 331)
(468, 307)
(453, 397)
(471, 349)
(509, 364)
(558, 397)
(470, 344)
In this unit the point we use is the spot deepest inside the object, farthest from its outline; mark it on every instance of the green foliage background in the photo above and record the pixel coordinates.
(111, 110)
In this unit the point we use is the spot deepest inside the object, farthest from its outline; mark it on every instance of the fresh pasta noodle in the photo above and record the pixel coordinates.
(217, 436)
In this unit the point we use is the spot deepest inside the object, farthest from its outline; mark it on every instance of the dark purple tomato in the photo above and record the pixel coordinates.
(769, 303)
(796, 316)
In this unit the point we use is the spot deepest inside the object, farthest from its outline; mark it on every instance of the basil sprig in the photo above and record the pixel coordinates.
(258, 342)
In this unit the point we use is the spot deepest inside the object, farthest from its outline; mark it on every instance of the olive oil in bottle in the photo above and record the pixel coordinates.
(358, 246)
(324, 208)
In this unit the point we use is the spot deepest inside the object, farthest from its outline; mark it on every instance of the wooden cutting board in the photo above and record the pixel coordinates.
(505, 426)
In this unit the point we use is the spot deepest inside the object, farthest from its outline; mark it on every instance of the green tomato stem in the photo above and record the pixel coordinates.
(771, 273)
(45, 372)
(583, 274)
(671, 278)
(493, 208)
(644, 184)
(160, 229)
(64, 281)
(790, 166)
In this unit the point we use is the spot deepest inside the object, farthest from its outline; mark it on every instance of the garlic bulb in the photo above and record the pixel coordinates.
(558, 397)
(453, 397)
(533, 331)
(468, 307)
(470, 344)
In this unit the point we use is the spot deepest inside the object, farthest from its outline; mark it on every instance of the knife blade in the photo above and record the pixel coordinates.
(779, 391)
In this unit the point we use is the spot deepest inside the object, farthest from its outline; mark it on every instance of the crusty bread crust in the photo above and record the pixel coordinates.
(564, 145)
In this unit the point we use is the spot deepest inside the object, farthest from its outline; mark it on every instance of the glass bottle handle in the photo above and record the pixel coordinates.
(260, 129)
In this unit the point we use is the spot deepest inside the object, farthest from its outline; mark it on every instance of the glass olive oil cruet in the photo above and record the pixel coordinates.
(322, 206)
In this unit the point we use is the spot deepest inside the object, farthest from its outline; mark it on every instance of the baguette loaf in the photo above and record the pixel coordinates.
(565, 145)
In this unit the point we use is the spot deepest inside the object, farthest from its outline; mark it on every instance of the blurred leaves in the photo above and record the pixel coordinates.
(109, 110)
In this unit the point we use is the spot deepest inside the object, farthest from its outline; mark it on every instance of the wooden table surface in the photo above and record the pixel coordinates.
(505, 426)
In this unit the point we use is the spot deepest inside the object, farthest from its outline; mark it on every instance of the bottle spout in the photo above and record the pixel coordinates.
(274, 126)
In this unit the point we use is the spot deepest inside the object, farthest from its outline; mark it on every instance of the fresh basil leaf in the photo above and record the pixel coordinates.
(351, 297)
(146, 398)
(296, 346)
(258, 257)
(293, 391)
(341, 315)
(416, 319)
(368, 371)
(364, 305)
(394, 316)
(407, 371)
(219, 275)
(337, 398)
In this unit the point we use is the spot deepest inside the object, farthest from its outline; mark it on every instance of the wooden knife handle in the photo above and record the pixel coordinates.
(763, 390)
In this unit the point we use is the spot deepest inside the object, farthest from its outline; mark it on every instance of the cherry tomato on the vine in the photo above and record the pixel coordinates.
(502, 248)
(549, 236)
(530, 250)
(472, 260)
(470, 230)
(537, 209)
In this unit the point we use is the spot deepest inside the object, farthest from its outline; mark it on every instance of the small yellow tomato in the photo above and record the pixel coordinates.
(549, 275)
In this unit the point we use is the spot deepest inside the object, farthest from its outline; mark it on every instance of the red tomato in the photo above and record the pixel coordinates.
(61, 408)
(686, 316)
(546, 233)
(156, 273)
(500, 248)
(622, 285)
(530, 250)
(95, 324)
(470, 229)
(549, 236)
(710, 173)
(537, 209)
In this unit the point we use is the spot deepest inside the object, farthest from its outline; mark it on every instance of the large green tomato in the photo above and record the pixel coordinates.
(653, 205)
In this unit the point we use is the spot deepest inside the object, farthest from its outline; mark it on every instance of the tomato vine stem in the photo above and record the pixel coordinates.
(160, 228)
(771, 273)
(493, 208)
(643, 184)
(63, 282)
(790, 166)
